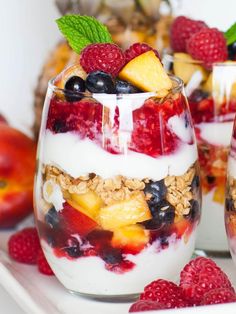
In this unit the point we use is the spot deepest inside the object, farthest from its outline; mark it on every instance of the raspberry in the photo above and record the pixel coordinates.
(106, 57)
(181, 30)
(208, 46)
(217, 296)
(136, 50)
(24, 245)
(143, 305)
(200, 276)
(43, 265)
(165, 292)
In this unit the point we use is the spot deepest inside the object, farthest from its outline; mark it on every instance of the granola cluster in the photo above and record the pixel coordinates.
(121, 188)
(232, 190)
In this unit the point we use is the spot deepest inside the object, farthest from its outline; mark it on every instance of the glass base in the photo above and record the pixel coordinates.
(212, 254)
(108, 298)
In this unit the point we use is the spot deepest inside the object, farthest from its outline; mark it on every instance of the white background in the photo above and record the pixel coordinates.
(28, 32)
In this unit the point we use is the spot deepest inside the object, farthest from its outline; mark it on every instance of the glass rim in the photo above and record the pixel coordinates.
(169, 57)
(179, 85)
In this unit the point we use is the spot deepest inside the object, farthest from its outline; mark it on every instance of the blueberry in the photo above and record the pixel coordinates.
(72, 248)
(232, 51)
(73, 87)
(123, 87)
(52, 218)
(157, 190)
(111, 255)
(210, 179)
(100, 82)
(198, 95)
(59, 126)
(194, 211)
(163, 213)
(229, 204)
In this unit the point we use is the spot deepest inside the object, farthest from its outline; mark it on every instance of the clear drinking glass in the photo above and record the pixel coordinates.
(230, 199)
(212, 100)
(117, 196)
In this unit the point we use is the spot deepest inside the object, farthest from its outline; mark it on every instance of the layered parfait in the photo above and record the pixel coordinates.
(204, 58)
(117, 189)
(230, 200)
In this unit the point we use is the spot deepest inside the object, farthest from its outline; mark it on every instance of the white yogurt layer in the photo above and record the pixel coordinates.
(216, 133)
(78, 157)
(88, 274)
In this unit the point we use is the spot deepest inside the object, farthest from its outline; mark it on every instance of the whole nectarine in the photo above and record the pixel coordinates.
(17, 166)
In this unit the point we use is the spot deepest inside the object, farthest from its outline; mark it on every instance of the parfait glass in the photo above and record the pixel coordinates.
(230, 197)
(212, 99)
(117, 193)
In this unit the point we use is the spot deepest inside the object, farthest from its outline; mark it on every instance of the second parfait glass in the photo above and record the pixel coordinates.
(212, 100)
(117, 196)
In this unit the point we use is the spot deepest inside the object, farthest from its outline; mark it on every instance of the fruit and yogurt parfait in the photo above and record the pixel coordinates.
(117, 190)
(230, 199)
(204, 58)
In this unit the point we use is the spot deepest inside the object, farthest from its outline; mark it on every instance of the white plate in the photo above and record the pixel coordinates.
(39, 294)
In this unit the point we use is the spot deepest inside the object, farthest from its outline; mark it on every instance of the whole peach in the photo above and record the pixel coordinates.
(17, 166)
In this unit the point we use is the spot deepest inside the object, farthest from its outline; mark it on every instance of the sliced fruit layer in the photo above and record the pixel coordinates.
(125, 213)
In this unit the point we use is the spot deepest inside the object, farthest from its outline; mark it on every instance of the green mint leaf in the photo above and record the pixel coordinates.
(230, 34)
(82, 30)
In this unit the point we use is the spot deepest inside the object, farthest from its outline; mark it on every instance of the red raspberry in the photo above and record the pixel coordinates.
(136, 50)
(208, 46)
(143, 305)
(24, 246)
(200, 276)
(108, 58)
(43, 265)
(181, 30)
(217, 296)
(165, 292)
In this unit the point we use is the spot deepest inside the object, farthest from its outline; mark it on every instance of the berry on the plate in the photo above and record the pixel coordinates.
(147, 73)
(200, 276)
(24, 246)
(100, 82)
(181, 30)
(43, 265)
(165, 292)
(123, 87)
(208, 46)
(104, 57)
(137, 49)
(220, 295)
(145, 305)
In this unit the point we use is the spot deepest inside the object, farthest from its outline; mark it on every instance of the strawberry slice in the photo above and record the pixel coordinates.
(75, 221)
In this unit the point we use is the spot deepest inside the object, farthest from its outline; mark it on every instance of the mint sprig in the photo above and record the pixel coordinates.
(82, 30)
(230, 34)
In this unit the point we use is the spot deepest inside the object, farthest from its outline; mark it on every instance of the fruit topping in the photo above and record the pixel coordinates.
(75, 221)
(123, 87)
(24, 245)
(155, 191)
(181, 30)
(232, 51)
(74, 86)
(146, 305)
(208, 46)
(165, 292)
(124, 213)
(103, 57)
(200, 276)
(100, 82)
(65, 76)
(137, 49)
(218, 296)
(43, 265)
(185, 67)
(146, 72)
